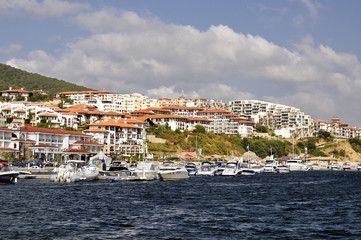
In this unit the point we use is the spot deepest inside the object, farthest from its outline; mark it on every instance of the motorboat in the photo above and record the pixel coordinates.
(346, 167)
(359, 167)
(76, 171)
(207, 169)
(246, 169)
(119, 169)
(335, 167)
(7, 175)
(270, 166)
(191, 168)
(231, 169)
(315, 166)
(296, 164)
(148, 171)
(173, 173)
(282, 169)
(257, 167)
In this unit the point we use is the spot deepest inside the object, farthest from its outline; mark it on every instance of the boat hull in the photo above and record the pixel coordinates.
(9, 177)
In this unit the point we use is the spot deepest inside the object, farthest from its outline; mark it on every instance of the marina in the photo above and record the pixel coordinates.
(311, 204)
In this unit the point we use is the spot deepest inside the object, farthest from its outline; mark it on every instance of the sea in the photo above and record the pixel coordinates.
(297, 205)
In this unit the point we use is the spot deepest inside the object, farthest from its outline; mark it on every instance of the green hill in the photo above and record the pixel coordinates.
(16, 78)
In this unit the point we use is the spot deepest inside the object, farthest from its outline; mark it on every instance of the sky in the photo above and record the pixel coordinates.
(300, 53)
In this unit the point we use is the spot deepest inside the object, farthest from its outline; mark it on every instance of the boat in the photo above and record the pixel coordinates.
(257, 167)
(119, 169)
(295, 164)
(231, 169)
(246, 169)
(358, 167)
(282, 169)
(191, 168)
(346, 167)
(207, 169)
(270, 166)
(147, 171)
(76, 171)
(335, 167)
(315, 166)
(7, 174)
(173, 173)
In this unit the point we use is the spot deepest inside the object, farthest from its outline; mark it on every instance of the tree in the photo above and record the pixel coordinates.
(199, 129)
(19, 98)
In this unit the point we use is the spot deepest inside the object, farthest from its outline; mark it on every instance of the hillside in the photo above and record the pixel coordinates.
(234, 145)
(16, 78)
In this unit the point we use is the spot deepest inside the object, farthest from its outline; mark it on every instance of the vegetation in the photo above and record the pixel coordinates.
(16, 78)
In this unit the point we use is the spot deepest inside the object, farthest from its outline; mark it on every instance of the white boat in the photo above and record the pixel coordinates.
(335, 167)
(76, 171)
(7, 174)
(231, 169)
(246, 169)
(296, 164)
(270, 166)
(191, 168)
(315, 166)
(148, 171)
(346, 167)
(207, 169)
(282, 169)
(359, 167)
(173, 173)
(257, 167)
(119, 169)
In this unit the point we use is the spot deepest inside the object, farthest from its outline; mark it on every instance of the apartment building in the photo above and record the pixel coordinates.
(275, 116)
(45, 143)
(119, 136)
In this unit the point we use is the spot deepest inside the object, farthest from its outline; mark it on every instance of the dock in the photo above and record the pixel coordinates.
(102, 178)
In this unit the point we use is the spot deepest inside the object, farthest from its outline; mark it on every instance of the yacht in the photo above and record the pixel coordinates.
(207, 169)
(282, 169)
(119, 169)
(315, 166)
(270, 166)
(346, 167)
(173, 173)
(191, 168)
(295, 164)
(76, 171)
(335, 167)
(246, 169)
(231, 169)
(148, 171)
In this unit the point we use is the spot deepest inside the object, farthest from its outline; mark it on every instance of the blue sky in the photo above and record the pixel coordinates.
(302, 53)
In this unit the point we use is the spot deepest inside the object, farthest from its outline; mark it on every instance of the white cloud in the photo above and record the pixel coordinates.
(45, 8)
(11, 50)
(311, 7)
(129, 53)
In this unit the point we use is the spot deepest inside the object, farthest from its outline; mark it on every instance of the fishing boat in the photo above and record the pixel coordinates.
(76, 171)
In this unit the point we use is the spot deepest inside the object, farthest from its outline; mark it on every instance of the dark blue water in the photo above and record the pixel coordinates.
(299, 205)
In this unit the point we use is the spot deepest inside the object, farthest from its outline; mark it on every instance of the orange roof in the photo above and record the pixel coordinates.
(214, 111)
(96, 130)
(16, 90)
(319, 121)
(8, 149)
(246, 122)
(114, 122)
(20, 110)
(157, 109)
(182, 107)
(230, 115)
(6, 109)
(48, 114)
(199, 119)
(142, 111)
(51, 131)
(44, 146)
(143, 118)
(87, 142)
